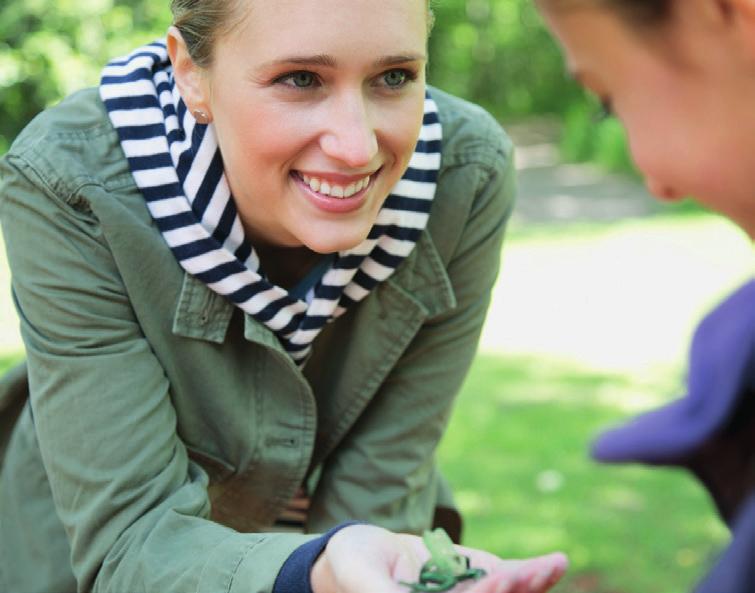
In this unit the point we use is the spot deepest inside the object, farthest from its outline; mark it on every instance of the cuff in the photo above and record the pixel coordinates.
(294, 574)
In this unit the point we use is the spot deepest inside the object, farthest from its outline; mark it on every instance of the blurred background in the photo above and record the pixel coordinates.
(598, 294)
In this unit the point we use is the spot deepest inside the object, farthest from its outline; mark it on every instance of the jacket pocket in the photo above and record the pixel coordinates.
(232, 500)
(217, 470)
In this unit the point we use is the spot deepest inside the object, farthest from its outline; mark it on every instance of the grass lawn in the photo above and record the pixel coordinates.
(589, 325)
(516, 456)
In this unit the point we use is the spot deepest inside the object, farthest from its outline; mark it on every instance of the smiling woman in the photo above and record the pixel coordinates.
(282, 108)
(251, 268)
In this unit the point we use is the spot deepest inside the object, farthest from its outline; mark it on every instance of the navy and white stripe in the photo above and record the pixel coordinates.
(176, 164)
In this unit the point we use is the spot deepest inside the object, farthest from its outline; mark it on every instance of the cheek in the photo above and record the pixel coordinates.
(398, 129)
(677, 162)
(260, 138)
(645, 139)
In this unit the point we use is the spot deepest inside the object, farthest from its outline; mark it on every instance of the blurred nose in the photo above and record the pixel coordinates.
(662, 191)
(349, 134)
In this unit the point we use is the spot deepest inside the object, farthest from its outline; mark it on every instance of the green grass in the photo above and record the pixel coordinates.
(7, 360)
(516, 454)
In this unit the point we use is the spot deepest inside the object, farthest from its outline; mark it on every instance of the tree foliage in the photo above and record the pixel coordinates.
(50, 48)
(493, 52)
(498, 54)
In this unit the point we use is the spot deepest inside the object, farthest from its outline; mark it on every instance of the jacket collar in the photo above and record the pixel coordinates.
(202, 314)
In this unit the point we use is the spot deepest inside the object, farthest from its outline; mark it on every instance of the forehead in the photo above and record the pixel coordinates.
(601, 40)
(307, 25)
(597, 38)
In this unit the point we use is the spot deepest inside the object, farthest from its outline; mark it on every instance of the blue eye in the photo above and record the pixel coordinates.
(396, 78)
(300, 80)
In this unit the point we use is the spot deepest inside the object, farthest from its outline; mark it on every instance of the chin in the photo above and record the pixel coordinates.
(326, 245)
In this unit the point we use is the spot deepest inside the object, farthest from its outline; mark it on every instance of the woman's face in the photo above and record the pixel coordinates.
(685, 94)
(317, 107)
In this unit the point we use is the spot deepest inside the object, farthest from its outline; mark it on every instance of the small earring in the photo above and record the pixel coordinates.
(201, 117)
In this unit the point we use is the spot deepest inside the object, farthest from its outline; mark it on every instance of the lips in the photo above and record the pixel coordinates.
(335, 193)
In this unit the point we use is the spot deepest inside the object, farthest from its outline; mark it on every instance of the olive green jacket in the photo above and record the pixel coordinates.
(166, 430)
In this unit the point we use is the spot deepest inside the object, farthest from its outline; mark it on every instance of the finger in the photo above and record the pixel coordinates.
(540, 574)
(299, 498)
(533, 575)
(555, 560)
(545, 579)
(291, 515)
(299, 504)
(499, 582)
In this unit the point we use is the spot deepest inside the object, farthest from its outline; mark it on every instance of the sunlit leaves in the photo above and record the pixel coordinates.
(51, 48)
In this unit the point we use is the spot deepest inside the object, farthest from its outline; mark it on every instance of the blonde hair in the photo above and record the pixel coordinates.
(202, 22)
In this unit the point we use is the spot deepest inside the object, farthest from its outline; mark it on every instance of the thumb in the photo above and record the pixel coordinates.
(362, 559)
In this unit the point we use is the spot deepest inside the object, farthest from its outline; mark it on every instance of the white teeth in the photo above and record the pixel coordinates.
(336, 191)
(363, 183)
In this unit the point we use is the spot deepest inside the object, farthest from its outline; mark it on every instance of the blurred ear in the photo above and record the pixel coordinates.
(189, 77)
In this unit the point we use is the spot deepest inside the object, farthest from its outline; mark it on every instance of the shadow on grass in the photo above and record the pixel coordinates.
(517, 455)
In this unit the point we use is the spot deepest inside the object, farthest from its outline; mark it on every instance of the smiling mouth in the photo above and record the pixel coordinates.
(334, 190)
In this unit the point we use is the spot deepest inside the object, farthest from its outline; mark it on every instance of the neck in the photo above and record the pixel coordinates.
(286, 266)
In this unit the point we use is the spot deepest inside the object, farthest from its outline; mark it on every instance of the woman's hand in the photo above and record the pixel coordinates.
(368, 559)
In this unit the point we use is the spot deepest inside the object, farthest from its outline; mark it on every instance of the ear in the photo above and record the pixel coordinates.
(190, 78)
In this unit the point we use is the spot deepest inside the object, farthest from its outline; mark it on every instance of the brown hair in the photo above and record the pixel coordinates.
(638, 12)
(201, 22)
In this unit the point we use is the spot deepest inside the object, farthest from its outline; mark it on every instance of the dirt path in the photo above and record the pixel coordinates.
(553, 192)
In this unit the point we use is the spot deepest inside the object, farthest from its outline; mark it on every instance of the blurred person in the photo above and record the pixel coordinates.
(680, 76)
(251, 271)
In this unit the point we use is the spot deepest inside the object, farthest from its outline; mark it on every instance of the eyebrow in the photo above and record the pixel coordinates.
(330, 61)
(400, 59)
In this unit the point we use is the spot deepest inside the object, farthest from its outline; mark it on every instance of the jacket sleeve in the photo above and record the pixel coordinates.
(391, 448)
(134, 507)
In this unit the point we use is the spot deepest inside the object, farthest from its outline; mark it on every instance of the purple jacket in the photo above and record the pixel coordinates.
(711, 432)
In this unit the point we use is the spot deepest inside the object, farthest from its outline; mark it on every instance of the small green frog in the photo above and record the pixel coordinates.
(446, 566)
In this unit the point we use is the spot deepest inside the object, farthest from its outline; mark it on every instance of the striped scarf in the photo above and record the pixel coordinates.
(176, 164)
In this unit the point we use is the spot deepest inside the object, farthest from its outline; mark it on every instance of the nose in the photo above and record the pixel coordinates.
(662, 191)
(349, 134)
